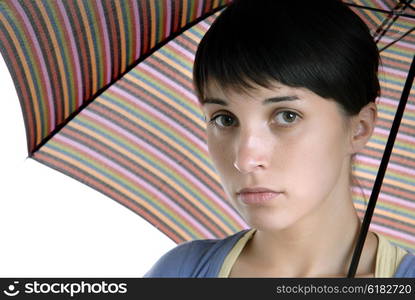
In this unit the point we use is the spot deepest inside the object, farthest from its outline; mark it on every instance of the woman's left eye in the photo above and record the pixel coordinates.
(286, 118)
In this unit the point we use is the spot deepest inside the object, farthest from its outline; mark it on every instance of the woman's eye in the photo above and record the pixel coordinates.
(222, 121)
(286, 117)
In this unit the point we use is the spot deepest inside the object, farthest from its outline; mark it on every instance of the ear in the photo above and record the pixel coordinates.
(362, 127)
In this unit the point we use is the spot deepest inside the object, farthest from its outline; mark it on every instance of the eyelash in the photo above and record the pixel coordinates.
(213, 123)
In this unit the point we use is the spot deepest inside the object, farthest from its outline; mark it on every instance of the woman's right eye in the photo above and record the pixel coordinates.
(222, 121)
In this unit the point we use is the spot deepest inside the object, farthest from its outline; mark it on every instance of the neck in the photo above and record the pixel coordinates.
(319, 245)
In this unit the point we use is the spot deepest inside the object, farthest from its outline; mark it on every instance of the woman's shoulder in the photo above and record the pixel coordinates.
(171, 263)
(407, 266)
(196, 258)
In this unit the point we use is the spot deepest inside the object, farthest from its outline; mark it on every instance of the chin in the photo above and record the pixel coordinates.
(270, 224)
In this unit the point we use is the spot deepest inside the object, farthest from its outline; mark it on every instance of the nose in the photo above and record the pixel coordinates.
(253, 153)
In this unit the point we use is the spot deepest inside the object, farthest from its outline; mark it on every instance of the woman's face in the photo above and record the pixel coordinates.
(298, 146)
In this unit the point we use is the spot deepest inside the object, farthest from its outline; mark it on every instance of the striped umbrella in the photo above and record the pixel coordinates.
(106, 93)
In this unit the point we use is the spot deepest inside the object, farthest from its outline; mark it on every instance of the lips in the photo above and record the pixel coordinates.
(257, 195)
(256, 190)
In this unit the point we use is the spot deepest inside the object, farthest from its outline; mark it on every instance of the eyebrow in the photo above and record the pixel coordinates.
(266, 101)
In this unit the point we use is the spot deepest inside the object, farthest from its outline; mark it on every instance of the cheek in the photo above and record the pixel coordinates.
(317, 164)
(220, 153)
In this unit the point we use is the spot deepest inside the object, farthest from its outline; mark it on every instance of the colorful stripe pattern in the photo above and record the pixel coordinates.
(395, 210)
(142, 140)
(61, 54)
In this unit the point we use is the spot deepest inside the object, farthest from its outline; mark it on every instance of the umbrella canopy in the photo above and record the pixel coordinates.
(101, 109)
(106, 93)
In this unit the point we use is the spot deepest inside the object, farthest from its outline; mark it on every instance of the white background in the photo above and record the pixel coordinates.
(54, 226)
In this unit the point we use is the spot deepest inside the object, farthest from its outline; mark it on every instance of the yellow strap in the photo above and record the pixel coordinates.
(388, 257)
(234, 253)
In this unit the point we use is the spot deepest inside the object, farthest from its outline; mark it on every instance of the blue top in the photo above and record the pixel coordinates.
(204, 258)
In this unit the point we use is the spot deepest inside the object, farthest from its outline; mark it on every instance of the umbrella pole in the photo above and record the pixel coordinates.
(382, 169)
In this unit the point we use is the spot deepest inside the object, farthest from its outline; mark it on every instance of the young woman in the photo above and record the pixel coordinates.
(288, 89)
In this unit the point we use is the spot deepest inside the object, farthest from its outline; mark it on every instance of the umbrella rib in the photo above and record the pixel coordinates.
(397, 40)
(381, 10)
(382, 169)
(395, 13)
(133, 65)
(409, 4)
